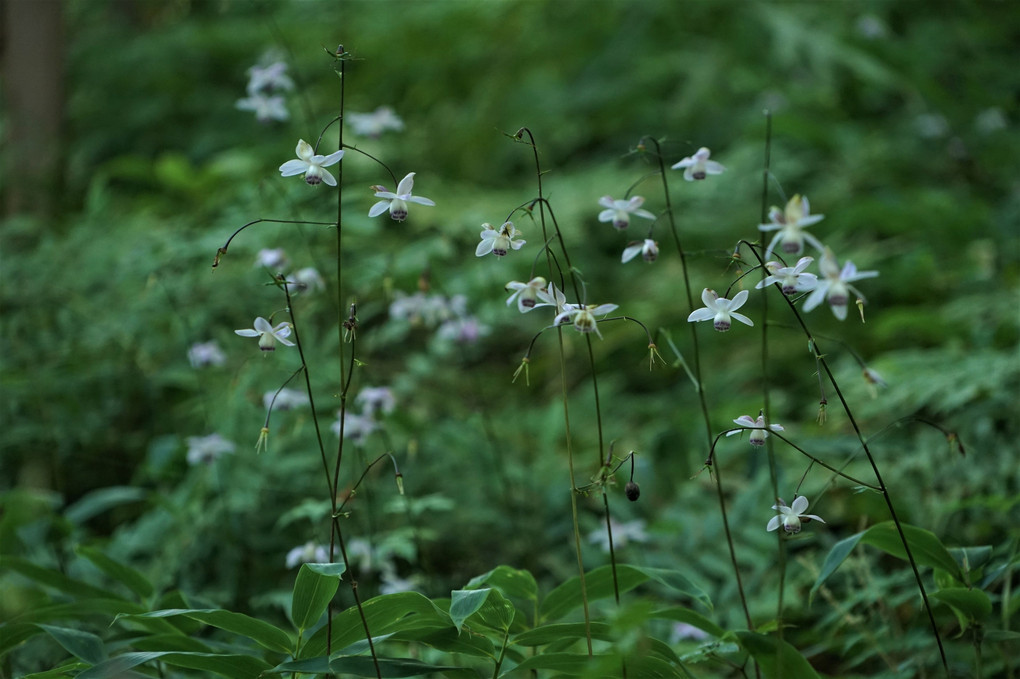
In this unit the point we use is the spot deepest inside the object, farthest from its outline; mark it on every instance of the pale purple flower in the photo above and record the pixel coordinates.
(792, 517)
(271, 77)
(419, 308)
(791, 223)
(631, 531)
(397, 202)
(463, 330)
(684, 630)
(272, 258)
(583, 316)
(498, 241)
(376, 399)
(306, 280)
(206, 449)
(648, 249)
(287, 399)
(758, 433)
(619, 211)
(265, 107)
(392, 584)
(206, 353)
(355, 427)
(834, 285)
(313, 165)
(267, 334)
(375, 123)
(720, 310)
(699, 166)
(310, 552)
(791, 278)
(527, 294)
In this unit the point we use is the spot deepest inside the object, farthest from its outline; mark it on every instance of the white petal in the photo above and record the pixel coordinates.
(701, 315)
(745, 420)
(262, 325)
(800, 503)
(773, 523)
(604, 309)
(283, 341)
(708, 298)
(332, 158)
(814, 517)
(327, 178)
(517, 244)
(816, 297)
(839, 311)
(742, 318)
(379, 208)
(304, 150)
(293, 167)
(644, 213)
(420, 201)
(406, 184)
(485, 247)
(631, 252)
(738, 300)
(712, 167)
(608, 215)
(248, 333)
(606, 201)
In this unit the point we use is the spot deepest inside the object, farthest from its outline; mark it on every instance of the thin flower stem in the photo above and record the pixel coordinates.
(223, 250)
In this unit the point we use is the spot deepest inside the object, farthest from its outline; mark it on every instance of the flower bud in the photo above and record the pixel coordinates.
(632, 491)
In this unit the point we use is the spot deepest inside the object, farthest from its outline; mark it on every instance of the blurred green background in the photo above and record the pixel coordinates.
(897, 120)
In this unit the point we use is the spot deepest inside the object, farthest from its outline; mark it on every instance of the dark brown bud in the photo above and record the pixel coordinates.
(632, 490)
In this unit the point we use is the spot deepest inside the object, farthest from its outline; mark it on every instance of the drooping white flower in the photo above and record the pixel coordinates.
(272, 258)
(583, 316)
(306, 280)
(648, 248)
(265, 107)
(527, 294)
(397, 202)
(792, 517)
(309, 552)
(355, 427)
(791, 223)
(699, 166)
(872, 376)
(269, 78)
(206, 353)
(720, 310)
(619, 211)
(313, 165)
(267, 334)
(759, 433)
(498, 241)
(834, 285)
(206, 449)
(376, 399)
(791, 278)
(375, 123)
(631, 531)
(463, 330)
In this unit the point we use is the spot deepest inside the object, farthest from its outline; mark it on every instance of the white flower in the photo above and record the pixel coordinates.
(622, 534)
(306, 280)
(266, 108)
(392, 583)
(375, 123)
(791, 224)
(720, 310)
(792, 517)
(271, 77)
(498, 241)
(272, 258)
(699, 166)
(791, 278)
(309, 552)
(683, 630)
(206, 353)
(583, 316)
(554, 297)
(397, 202)
(267, 334)
(834, 286)
(759, 433)
(648, 248)
(619, 211)
(355, 427)
(207, 448)
(376, 399)
(872, 377)
(464, 330)
(312, 164)
(527, 294)
(287, 399)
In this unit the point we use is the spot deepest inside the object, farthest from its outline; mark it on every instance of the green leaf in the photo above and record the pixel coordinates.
(547, 634)
(776, 659)
(693, 618)
(924, 545)
(125, 575)
(384, 614)
(259, 631)
(228, 665)
(510, 581)
(362, 666)
(83, 645)
(315, 587)
(68, 670)
(98, 501)
(599, 584)
(53, 579)
(974, 604)
(465, 603)
(571, 664)
(13, 633)
(449, 640)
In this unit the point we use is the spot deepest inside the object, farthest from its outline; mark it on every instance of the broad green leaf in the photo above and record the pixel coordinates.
(693, 618)
(53, 579)
(599, 585)
(569, 664)
(999, 635)
(449, 640)
(99, 501)
(547, 634)
(69, 670)
(384, 614)
(313, 590)
(228, 665)
(259, 631)
(125, 575)
(464, 603)
(924, 545)
(510, 581)
(13, 633)
(83, 645)
(972, 603)
(364, 666)
(776, 659)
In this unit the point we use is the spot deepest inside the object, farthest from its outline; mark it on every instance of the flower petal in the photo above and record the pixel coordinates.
(800, 503)
(293, 167)
(406, 184)
(773, 523)
(379, 208)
